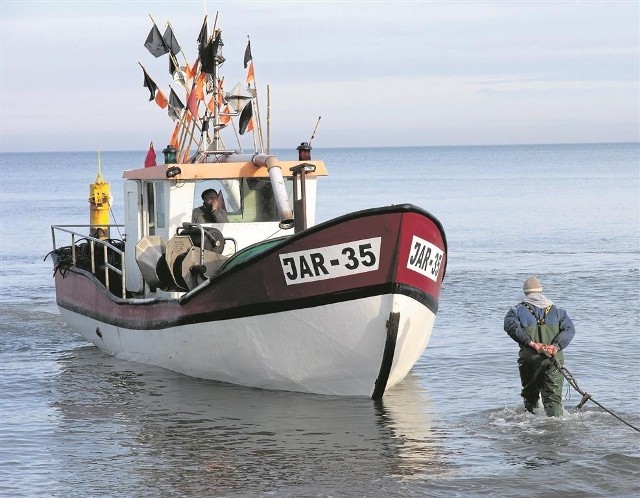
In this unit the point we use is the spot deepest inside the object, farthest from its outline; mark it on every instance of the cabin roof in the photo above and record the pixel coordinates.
(206, 171)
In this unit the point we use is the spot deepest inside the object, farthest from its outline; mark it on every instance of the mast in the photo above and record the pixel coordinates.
(216, 111)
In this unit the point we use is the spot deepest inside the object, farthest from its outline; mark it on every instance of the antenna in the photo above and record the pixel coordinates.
(313, 134)
(99, 177)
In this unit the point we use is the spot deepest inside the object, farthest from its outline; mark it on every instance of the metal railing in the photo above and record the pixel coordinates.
(103, 245)
(202, 228)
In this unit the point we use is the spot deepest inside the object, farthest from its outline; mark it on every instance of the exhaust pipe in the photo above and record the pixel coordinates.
(279, 191)
(285, 212)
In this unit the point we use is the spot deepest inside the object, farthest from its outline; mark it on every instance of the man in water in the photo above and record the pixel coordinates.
(211, 210)
(543, 331)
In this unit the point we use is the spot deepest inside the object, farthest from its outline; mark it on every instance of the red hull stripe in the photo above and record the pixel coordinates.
(391, 250)
(136, 316)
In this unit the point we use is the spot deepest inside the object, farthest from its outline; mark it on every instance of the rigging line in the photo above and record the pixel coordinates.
(114, 219)
(585, 396)
(272, 235)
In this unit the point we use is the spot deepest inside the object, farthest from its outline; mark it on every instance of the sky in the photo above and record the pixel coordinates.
(379, 73)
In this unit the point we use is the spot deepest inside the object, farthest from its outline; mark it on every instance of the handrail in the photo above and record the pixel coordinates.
(200, 227)
(106, 246)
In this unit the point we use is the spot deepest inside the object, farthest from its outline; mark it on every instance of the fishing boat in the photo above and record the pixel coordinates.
(261, 295)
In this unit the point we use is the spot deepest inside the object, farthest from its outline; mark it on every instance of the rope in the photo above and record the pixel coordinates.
(114, 220)
(585, 396)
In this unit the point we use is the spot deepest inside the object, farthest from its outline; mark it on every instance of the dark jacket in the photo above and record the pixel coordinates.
(202, 214)
(521, 325)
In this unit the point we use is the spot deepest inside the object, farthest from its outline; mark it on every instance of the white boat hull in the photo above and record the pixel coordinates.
(333, 349)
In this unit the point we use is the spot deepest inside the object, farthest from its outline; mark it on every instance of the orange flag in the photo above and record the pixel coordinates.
(161, 100)
(174, 137)
(190, 71)
(250, 76)
(211, 104)
(225, 119)
(200, 83)
(250, 125)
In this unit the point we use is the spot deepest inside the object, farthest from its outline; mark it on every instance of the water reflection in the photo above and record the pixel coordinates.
(156, 430)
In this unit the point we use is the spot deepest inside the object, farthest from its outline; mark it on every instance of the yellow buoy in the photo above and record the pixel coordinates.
(100, 204)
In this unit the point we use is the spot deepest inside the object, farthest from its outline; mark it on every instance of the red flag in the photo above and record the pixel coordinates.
(192, 103)
(161, 100)
(250, 76)
(150, 160)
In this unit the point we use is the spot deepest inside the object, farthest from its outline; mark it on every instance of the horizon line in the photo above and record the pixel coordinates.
(343, 147)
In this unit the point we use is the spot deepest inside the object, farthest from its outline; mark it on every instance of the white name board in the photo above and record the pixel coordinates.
(424, 258)
(340, 260)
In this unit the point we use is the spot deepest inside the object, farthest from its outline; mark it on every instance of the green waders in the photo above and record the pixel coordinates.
(538, 374)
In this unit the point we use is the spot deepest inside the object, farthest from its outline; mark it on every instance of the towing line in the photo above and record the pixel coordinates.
(585, 396)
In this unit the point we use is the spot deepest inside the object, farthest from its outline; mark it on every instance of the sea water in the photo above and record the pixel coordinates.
(76, 422)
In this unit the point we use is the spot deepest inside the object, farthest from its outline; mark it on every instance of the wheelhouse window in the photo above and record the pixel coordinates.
(155, 208)
(151, 209)
(244, 199)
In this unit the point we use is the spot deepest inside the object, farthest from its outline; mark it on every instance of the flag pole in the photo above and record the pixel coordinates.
(268, 120)
(313, 134)
(193, 126)
(197, 113)
(235, 132)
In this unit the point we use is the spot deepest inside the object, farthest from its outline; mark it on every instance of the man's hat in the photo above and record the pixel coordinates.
(532, 284)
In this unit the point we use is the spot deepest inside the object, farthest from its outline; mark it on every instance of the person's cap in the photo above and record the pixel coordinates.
(532, 284)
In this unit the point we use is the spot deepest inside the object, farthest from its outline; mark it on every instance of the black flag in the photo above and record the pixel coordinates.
(175, 105)
(247, 54)
(155, 44)
(170, 41)
(202, 37)
(150, 84)
(245, 117)
(208, 55)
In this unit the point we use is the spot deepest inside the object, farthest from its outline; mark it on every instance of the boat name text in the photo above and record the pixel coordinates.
(340, 260)
(425, 258)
